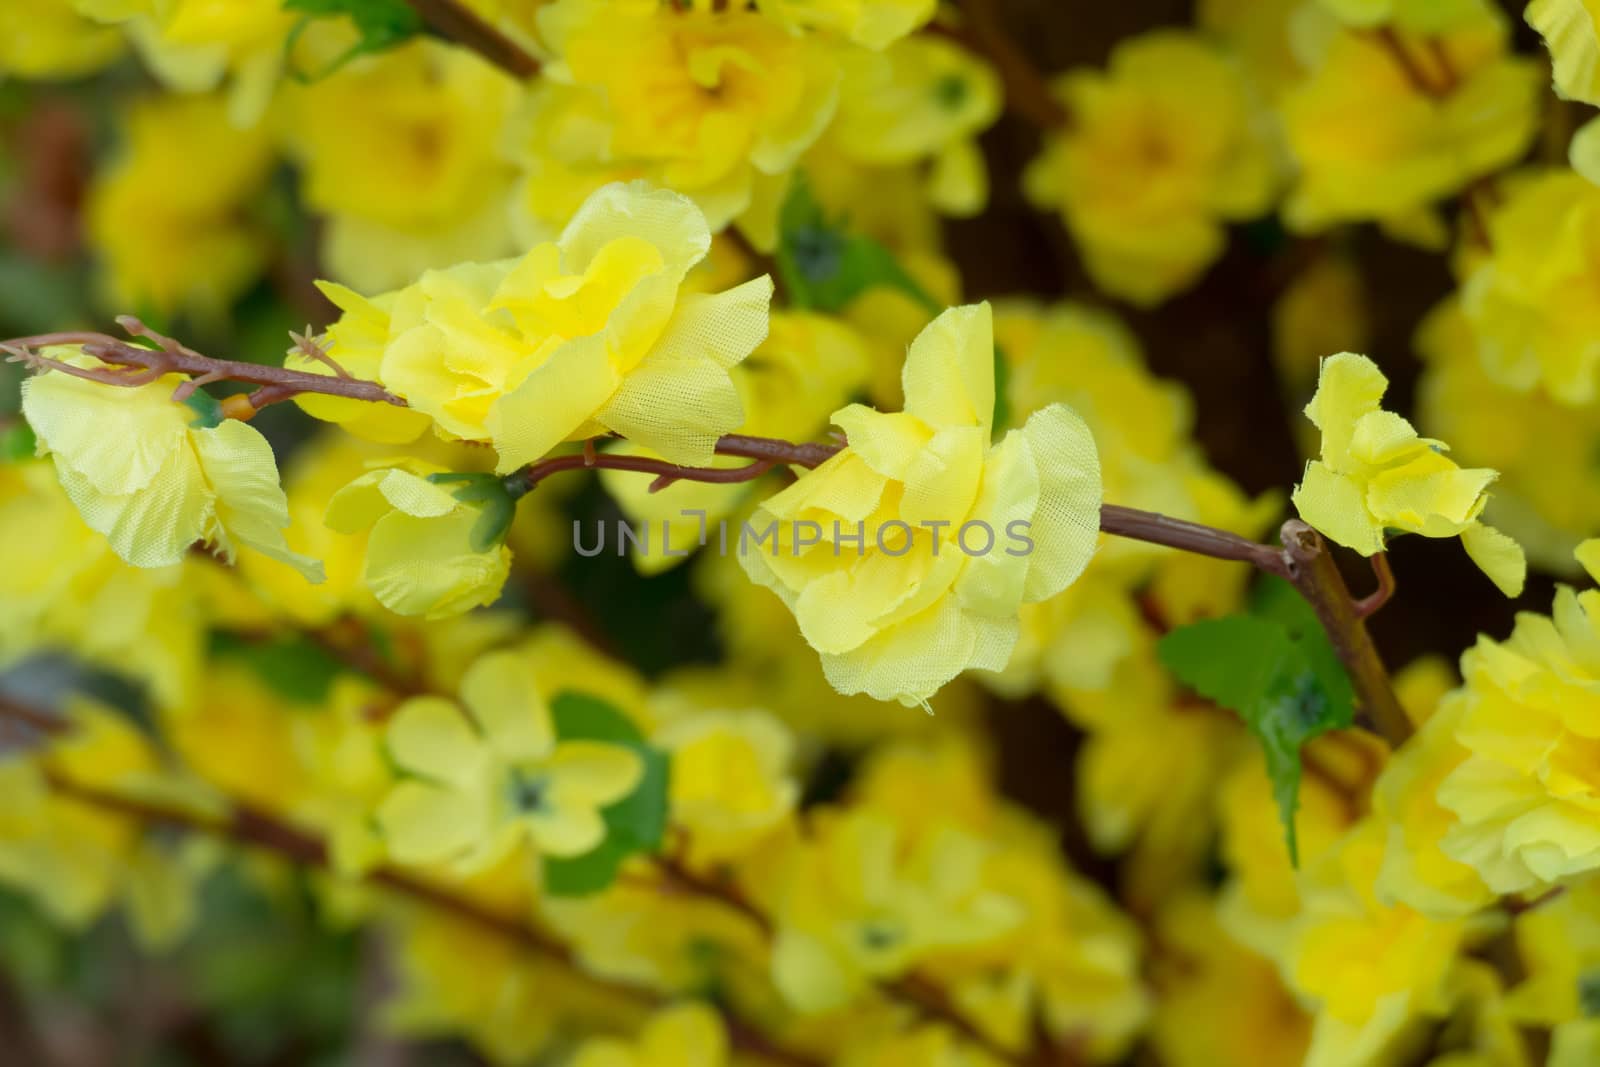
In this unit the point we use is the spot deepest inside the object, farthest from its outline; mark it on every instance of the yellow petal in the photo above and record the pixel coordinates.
(949, 371)
(1066, 526)
(1498, 556)
(250, 504)
(425, 824)
(1348, 387)
(1588, 555)
(1336, 507)
(427, 567)
(556, 399)
(592, 773)
(504, 698)
(430, 736)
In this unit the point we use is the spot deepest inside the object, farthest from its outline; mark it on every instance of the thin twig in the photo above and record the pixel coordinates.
(1369, 604)
(142, 366)
(253, 828)
(1027, 91)
(1317, 577)
(458, 23)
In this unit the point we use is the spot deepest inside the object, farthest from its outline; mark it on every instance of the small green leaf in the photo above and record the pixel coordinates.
(291, 665)
(207, 407)
(636, 823)
(582, 717)
(17, 442)
(489, 493)
(1002, 382)
(382, 24)
(1589, 993)
(826, 267)
(1277, 676)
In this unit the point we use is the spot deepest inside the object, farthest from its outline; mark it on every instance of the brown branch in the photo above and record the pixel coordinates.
(1317, 577)
(1191, 537)
(456, 22)
(251, 827)
(145, 365)
(1027, 91)
(767, 452)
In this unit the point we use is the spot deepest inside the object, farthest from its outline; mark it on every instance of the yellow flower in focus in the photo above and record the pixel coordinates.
(690, 1035)
(1527, 301)
(1372, 144)
(923, 99)
(1525, 797)
(579, 337)
(425, 549)
(400, 151)
(169, 217)
(713, 103)
(50, 39)
(489, 774)
(809, 366)
(920, 598)
(1162, 151)
(141, 472)
(874, 23)
(1376, 474)
(1571, 30)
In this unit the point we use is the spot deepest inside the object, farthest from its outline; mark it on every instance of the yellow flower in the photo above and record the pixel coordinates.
(1525, 797)
(75, 859)
(731, 784)
(1161, 152)
(51, 39)
(1416, 872)
(690, 1035)
(400, 150)
(1220, 1004)
(712, 103)
(922, 99)
(921, 597)
(193, 45)
(1548, 495)
(1376, 474)
(491, 775)
(1527, 300)
(169, 218)
(141, 472)
(874, 23)
(427, 550)
(77, 594)
(861, 899)
(1558, 944)
(1372, 144)
(578, 337)
(1367, 969)
(1423, 16)
(1571, 29)
(809, 366)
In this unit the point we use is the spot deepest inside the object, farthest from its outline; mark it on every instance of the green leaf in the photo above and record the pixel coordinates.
(1277, 677)
(206, 406)
(382, 24)
(291, 665)
(826, 267)
(582, 717)
(17, 442)
(636, 823)
(489, 493)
